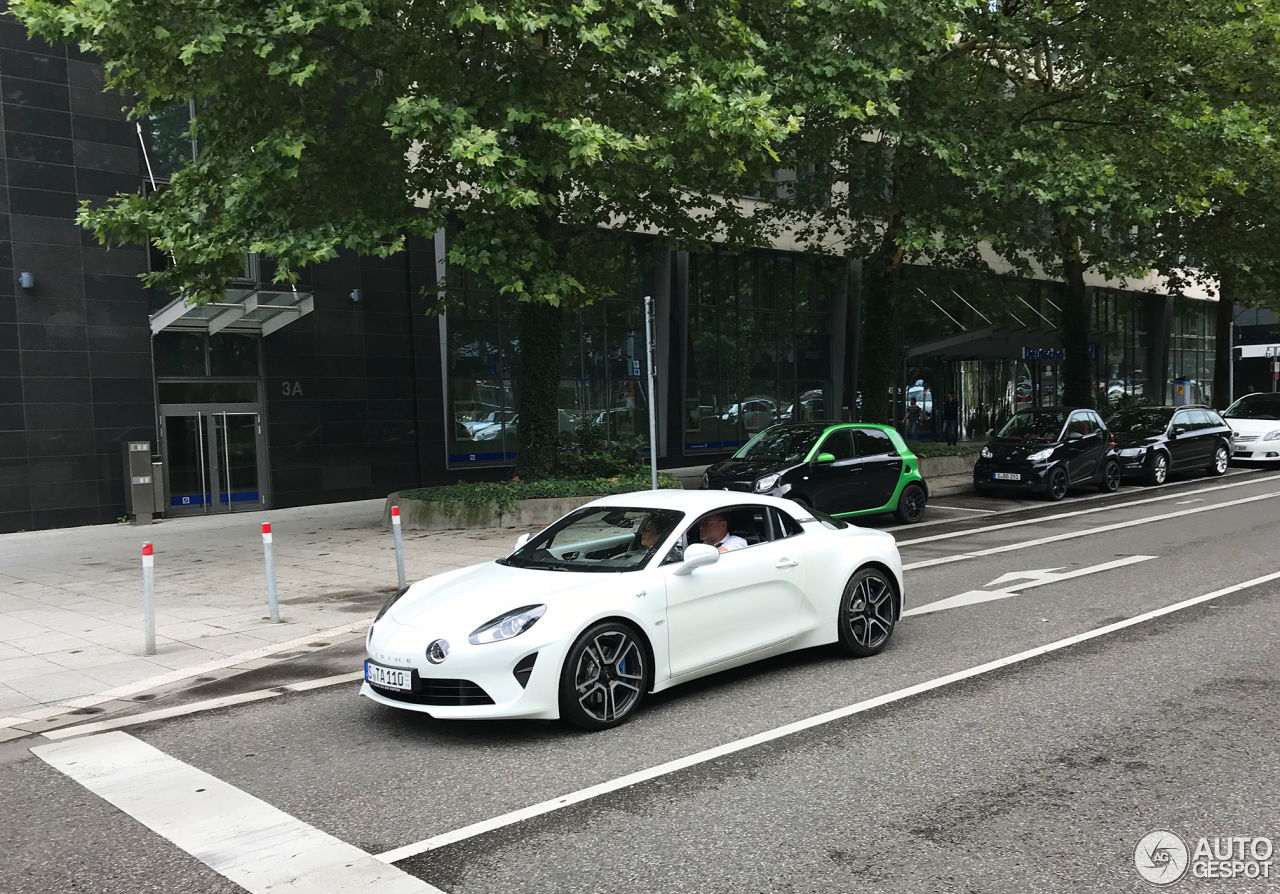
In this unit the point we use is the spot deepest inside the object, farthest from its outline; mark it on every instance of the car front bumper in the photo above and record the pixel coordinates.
(1257, 453)
(1033, 478)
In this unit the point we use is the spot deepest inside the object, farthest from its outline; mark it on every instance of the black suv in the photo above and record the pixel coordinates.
(1154, 441)
(1047, 451)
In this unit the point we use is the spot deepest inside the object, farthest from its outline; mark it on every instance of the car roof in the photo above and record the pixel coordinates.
(692, 501)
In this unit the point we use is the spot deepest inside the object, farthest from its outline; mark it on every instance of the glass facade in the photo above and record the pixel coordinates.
(759, 345)
(1192, 343)
(1122, 347)
(603, 372)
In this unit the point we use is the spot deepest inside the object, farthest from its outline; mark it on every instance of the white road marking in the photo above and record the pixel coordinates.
(211, 704)
(1188, 502)
(604, 788)
(1108, 508)
(1071, 535)
(1029, 579)
(965, 509)
(260, 848)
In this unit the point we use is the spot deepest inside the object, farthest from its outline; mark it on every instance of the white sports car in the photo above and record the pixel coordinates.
(1255, 422)
(621, 598)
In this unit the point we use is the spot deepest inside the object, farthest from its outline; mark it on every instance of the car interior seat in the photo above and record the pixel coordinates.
(752, 525)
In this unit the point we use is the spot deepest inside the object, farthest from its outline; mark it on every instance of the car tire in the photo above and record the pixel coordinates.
(1056, 485)
(599, 688)
(1110, 482)
(868, 612)
(1221, 459)
(1157, 470)
(911, 503)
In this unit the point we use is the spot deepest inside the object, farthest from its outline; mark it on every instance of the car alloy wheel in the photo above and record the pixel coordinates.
(605, 677)
(1158, 470)
(1221, 459)
(868, 612)
(911, 504)
(1110, 478)
(1057, 486)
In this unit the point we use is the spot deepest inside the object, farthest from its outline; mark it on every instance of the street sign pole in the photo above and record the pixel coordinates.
(650, 330)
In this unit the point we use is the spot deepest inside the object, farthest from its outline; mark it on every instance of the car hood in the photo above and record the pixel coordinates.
(1252, 426)
(482, 592)
(1134, 440)
(745, 469)
(1011, 449)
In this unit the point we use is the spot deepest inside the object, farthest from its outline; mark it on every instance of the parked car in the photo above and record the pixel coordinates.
(844, 470)
(1154, 441)
(1255, 423)
(1047, 451)
(563, 628)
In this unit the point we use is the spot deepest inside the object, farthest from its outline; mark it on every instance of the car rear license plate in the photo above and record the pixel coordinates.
(1008, 476)
(388, 677)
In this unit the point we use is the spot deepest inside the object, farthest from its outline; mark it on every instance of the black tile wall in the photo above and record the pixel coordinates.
(75, 355)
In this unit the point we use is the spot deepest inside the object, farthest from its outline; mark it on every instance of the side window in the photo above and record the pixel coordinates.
(1182, 420)
(1098, 424)
(1215, 421)
(1205, 419)
(784, 525)
(839, 444)
(1079, 423)
(871, 442)
(752, 524)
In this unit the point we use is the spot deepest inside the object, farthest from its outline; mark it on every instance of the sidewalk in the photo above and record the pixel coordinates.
(71, 599)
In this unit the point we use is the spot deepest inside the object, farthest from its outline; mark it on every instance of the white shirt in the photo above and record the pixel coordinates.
(730, 542)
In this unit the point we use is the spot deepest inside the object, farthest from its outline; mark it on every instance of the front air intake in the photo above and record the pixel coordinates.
(524, 669)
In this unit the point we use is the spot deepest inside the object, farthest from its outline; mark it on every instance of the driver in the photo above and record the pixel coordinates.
(714, 531)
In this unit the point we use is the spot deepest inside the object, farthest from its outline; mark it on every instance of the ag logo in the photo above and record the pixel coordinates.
(1161, 857)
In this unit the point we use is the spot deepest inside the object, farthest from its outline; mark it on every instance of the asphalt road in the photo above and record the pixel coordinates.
(1038, 776)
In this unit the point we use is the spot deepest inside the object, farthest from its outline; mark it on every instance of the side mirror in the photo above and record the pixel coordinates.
(697, 556)
(825, 458)
(1176, 431)
(523, 539)
(1074, 436)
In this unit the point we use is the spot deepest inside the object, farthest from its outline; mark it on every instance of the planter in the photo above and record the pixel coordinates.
(428, 515)
(940, 466)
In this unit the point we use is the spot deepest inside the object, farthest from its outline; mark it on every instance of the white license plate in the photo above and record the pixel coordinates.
(388, 677)
(1008, 476)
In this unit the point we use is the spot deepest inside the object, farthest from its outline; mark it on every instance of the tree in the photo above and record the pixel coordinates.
(541, 133)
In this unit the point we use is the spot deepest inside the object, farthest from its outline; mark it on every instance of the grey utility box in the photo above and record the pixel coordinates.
(139, 493)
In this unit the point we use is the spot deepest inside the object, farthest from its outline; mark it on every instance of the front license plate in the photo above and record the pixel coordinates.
(388, 677)
(1008, 476)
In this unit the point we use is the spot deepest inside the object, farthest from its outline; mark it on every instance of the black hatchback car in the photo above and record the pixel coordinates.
(1154, 441)
(1047, 451)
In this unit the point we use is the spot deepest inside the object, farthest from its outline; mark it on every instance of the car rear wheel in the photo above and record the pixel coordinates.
(911, 503)
(868, 613)
(605, 677)
(1110, 478)
(1056, 487)
(1221, 459)
(1157, 469)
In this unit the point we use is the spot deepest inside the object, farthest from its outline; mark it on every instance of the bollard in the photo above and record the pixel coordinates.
(148, 605)
(272, 604)
(395, 528)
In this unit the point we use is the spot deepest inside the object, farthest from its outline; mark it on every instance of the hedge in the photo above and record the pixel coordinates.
(504, 494)
(937, 448)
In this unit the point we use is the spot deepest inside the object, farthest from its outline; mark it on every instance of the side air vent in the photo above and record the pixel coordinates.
(524, 669)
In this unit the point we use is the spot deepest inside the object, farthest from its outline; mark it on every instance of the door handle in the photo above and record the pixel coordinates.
(787, 563)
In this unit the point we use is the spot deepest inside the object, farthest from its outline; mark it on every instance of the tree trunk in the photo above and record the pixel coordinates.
(1077, 313)
(1223, 355)
(538, 388)
(879, 375)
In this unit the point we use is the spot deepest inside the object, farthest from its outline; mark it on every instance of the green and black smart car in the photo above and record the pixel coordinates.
(841, 469)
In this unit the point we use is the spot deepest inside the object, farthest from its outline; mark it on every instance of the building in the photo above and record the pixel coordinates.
(346, 388)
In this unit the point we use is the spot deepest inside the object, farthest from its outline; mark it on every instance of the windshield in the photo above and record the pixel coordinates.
(1255, 406)
(1034, 426)
(1139, 422)
(789, 444)
(607, 538)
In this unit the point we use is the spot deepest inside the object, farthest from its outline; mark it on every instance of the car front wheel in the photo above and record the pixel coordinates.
(605, 677)
(868, 613)
(1221, 459)
(1056, 487)
(1157, 469)
(911, 503)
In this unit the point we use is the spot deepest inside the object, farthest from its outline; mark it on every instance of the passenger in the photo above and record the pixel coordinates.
(654, 533)
(714, 531)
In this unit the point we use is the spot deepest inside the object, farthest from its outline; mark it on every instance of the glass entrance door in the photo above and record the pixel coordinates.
(214, 460)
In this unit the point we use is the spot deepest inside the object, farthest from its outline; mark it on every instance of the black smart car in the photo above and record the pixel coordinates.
(1154, 441)
(1047, 451)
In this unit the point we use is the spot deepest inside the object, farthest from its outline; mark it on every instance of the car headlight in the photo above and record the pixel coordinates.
(1133, 451)
(767, 482)
(1272, 435)
(390, 602)
(986, 453)
(512, 624)
(1041, 455)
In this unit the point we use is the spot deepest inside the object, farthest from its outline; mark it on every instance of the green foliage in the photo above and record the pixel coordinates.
(503, 494)
(938, 448)
(1108, 406)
